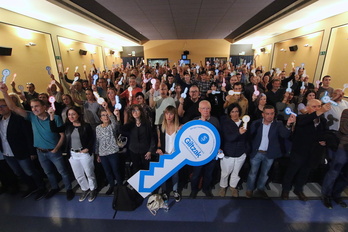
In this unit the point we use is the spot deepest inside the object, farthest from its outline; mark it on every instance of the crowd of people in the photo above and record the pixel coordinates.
(79, 131)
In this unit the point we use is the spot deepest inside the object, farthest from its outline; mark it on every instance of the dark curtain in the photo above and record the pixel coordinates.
(238, 60)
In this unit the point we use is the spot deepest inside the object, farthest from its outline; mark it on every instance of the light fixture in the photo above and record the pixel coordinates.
(70, 49)
(307, 45)
(283, 50)
(30, 44)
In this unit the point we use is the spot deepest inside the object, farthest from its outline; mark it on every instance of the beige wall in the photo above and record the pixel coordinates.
(199, 49)
(304, 55)
(48, 48)
(263, 58)
(29, 63)
(337, 57)
(325, 26)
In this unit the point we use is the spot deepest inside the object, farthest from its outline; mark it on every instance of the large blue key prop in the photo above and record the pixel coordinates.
(196, 144)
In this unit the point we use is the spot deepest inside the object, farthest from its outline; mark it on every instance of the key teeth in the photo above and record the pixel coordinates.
(153, 167)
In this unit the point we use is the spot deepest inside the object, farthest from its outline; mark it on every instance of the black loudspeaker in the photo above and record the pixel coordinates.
(186, 52)
(83, 52)
(5, 51)
(293, 48)
(262, 49)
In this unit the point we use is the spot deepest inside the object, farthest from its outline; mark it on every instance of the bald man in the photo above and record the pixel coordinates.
(307, 138)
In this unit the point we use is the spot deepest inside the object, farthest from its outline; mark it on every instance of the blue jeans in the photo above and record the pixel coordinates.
(24, 168)
(340, 159)
(175, 181)
(47, 160)
(207, 177)
(111, 166)
(265, 163)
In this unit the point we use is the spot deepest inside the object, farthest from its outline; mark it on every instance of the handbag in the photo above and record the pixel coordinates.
(154, 203)
(126, 198)
(121, 141)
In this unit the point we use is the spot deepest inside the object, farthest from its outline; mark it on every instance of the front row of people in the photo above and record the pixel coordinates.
(266, 137)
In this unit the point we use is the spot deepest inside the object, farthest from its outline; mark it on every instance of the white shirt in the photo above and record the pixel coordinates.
(7, 151)
(264, 140)
(170, 143)
(333, 116)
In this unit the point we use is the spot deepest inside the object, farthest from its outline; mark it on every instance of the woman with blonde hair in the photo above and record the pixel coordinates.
(166, 137)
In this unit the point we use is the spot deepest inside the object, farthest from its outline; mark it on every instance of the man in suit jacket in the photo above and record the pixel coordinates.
(308, 139)
(16, 144)
(266, 146)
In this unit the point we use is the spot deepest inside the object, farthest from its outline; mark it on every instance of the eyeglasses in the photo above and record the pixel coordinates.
(135, 110)
(3, 106)
(104, 115)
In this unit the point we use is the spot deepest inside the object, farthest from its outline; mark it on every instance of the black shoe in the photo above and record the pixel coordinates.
(2, 190)
(110, 191)
(208, 193)
(193, 194)
(70, 194)
(92, 195)
(41, 193)
(327, 202)
(13, 190)
(51, 193)
(177, 196)
(165, 197)
(301, 196)
(84, 195)
(285, 195)
(29, 192)
(263, 194)
(340, 202)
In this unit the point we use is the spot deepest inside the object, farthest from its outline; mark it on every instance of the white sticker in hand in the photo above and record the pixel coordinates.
(223, 82)
(130, 89)
(48, 68)
(100, 100)
(95, 78)
(153, 82)
(231, 92)
(52, 99)
(326, 99)
(118, 106)
(245, 119)
(288, 111)
(289, 88)
(14, 77)
(184, 94)
(5, 74)
(173, 87)
(75, 79)
(256, 92)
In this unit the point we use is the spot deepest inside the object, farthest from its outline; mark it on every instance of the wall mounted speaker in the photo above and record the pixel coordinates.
(293, 48)
(83, 52)
(112, 52)
(262, 49)
(186, 52)
(4, 51)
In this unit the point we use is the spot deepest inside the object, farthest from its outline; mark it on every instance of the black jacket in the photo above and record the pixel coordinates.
(20, 137)
(86, 133)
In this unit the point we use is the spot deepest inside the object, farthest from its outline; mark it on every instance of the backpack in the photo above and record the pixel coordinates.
(154, 203)
(126, 198)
